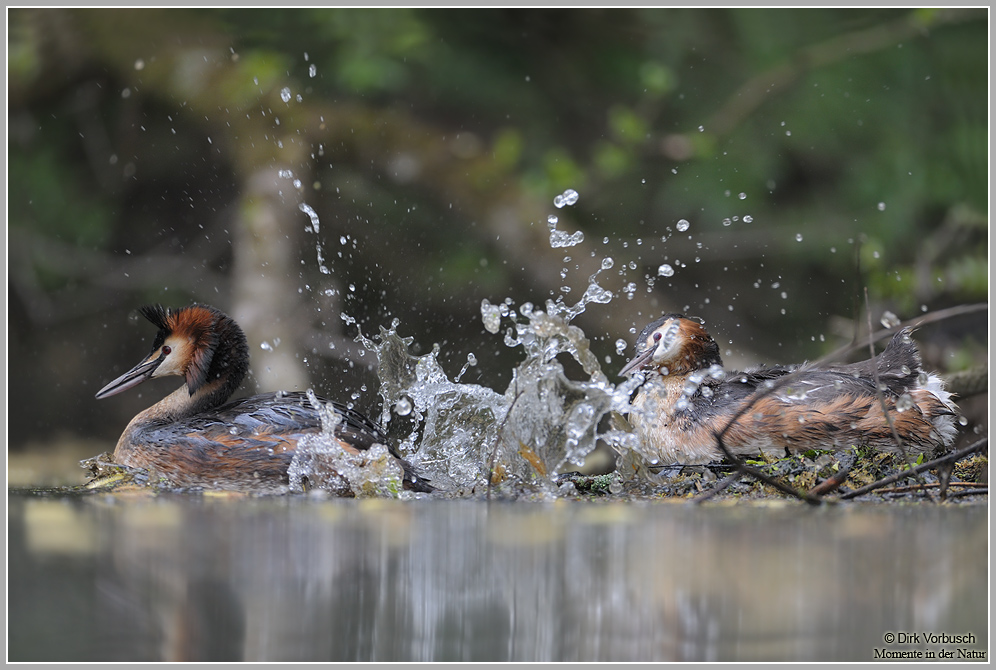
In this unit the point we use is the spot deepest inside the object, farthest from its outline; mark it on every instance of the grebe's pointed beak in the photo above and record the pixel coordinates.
(638, 362)
(133, 377)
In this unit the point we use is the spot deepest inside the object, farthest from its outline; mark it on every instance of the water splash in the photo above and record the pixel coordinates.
(320, 463)
(471, 361)
(451, 425)
(315, 227)
(467, 438)
(560, 238)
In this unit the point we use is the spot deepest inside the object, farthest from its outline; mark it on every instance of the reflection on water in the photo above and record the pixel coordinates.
(110, 578)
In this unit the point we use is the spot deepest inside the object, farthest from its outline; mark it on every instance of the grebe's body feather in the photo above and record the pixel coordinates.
(688, 398)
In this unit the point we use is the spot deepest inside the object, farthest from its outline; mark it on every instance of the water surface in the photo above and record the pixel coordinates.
(228, 578)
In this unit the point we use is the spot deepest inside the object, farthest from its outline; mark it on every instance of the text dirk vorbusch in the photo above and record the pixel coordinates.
(929, 638)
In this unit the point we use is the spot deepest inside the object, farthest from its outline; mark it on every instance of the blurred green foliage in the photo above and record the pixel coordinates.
(52, 200)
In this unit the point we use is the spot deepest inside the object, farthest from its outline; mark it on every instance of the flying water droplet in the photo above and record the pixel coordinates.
(904, 402)
(665, 271)
(471, 361)
(795, 393)
(889, 320)
(491, 315)
(682, 225)
(567, 198)
(403, 407)
(285, 94)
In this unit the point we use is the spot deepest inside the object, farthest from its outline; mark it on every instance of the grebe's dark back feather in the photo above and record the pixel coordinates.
(898, 366)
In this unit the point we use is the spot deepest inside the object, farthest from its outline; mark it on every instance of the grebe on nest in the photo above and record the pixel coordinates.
(192, 439)
(688, 398)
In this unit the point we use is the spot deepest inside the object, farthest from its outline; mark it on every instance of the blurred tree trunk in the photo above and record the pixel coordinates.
(266, 279)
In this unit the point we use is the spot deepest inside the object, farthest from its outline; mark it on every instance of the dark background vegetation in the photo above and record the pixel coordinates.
(146, 147)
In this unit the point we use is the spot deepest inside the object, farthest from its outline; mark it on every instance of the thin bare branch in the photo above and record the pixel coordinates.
(952, 457)
(766, 85)
(878, 390)
(501, 429)
(744, 469)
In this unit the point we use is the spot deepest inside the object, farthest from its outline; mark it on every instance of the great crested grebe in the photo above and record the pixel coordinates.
(688, 397)
(192, 439)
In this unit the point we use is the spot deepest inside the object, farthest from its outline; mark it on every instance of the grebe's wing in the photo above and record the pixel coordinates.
(898, 366)
(295, 412)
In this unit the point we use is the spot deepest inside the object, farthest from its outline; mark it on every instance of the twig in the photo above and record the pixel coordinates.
(928, 485)
(969, 492)
(878, 390)
(832, 483)
(954, 456)
(744, 469)
(932, 317)
(719, 488)
(501, 429)
(765, 85)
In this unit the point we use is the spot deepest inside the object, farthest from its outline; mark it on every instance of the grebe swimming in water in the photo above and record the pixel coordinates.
(193, 439)
(688, 397)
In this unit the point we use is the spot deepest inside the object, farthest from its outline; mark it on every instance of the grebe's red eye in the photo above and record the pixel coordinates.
(166, 350)
(657, 337)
